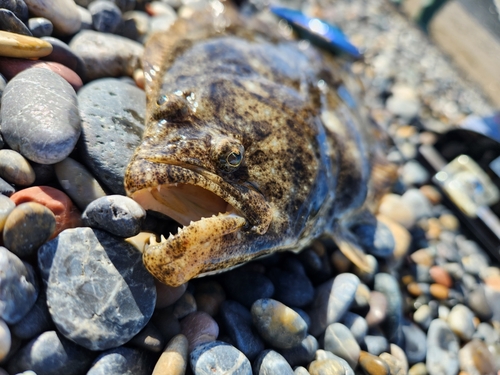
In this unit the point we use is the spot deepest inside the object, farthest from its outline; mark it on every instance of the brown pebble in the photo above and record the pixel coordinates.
(14, 168)
(340, 261)
(167, 295)
(17, 45)
(441, 276)
(199, 328)
(149, 338)
(173, 360)
(439, 291)
(184, 306)
(373, 365)
(423, 257)
(139, 78)
(326, 367)
(449, 222)
(406, 279)
(433, 229)
(414, 289)
(431, 193)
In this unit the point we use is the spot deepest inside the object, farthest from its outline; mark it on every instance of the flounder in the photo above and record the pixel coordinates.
(248, 145)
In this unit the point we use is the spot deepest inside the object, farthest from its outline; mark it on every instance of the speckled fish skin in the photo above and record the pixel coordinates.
(230, 84)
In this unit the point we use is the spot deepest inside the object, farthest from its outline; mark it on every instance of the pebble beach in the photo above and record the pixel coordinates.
(75, 297)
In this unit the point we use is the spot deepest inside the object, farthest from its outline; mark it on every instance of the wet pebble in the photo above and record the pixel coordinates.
(442, 349)
(80, 267)
(271, 362)
(199, 328)
(121, 361)
(40, 27)
(14, 168)
(5, 340)
(340, 341)
(113, 114)
(278, 324)
(55, 133)
(237, 286)
(106, 16)
(16, 45)
(9, 22)
(173, 360)
(219, 358)
(19, 289)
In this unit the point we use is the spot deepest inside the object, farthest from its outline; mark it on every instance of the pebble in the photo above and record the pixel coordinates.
(237, 321)
(62, 13)
(475, 358)
(167, 323)
(404, 102)
(418, 202)
(135, 25)
(106, 55)
(6, 188)
(56, 132)
(199, 328)
(150, 338)
(184, 306)
(442, 349)
(17, 45)
(236, 283)
(357, 325)
(388, 285)
(209, 296)
(106, 16)
(418, 369)
(378, 309)
(6, 207)
(219, 358)
(50, 353)
(65, 212)
(167, 295)
(5, 340)
(332, 300)
(326, 366)
(113, 114)
(439, 291)
(62, 54)
(36, 321)
(423, 316)
(40, 27)
(461, 322)
(85, 16)
(271, 362)
(17, 6)
(14, 168)
(414, 173)
(80, 267)
(416, 345)
(323, 354)
(478, 303)
(19, 289)
(376, 239)
(303, 353)
(393, 206)
(400, 355)
(121, 361)
(290, 288)
(78, 183)
(373, 365)
(441, 276)
(340, 341)
(9, 22)
(278, 324)
(173, 360)
(27, 227)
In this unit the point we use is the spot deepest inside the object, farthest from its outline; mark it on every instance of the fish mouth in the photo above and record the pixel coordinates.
(213, 214)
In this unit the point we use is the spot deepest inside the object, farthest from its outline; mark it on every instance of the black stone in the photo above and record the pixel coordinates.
(246, 286)
(303, 354)
(106, 16)
(9, 22)
(62, 54)
(271, 362)
(293, 289)
(19, 8)
(122, 361)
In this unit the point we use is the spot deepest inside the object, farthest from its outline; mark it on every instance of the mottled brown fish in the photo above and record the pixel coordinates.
(248, 145)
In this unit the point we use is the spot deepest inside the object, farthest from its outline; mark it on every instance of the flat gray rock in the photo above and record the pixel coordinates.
(219, 358)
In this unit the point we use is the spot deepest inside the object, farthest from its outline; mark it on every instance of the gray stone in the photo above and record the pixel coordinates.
(389, 286)
(15, 169)
(40, 26)
(9, 22)
(19, 289)
(6, 188)
(376, 239)
(116, 214)
(302, 354)
(62, 54)
(39, 116)
(36, 321)
(376, 344)
(270, 362)
(106, 16)
(6, 207)
(442, 349)
(219, 358)
(357, 325)
(420, 205)
(112, 115)
(121, 361)
(340, 341)
(98, 292)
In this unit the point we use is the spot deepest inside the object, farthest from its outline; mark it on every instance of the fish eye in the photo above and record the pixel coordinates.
(234, 159)
(229, 155)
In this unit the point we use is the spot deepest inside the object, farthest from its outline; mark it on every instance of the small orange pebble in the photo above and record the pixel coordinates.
(439, 291)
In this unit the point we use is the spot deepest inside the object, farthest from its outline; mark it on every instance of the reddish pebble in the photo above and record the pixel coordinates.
(493, 282)
(65, 212)
(199, 328)
(167, 295)
(441, 276)
(11, 67)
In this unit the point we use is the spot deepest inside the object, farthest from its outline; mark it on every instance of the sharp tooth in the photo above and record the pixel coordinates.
(191, 222)
(171, 236)
(152, 240)
(163, 239)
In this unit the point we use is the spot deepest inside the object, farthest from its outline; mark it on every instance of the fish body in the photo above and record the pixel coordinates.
(248, 145)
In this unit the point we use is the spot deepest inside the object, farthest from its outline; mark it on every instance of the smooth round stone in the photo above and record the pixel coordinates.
(173, 360)
(461, 322)
(80, 267)
(19, 289)
(167, 295)
(184, 306)
(389, 286)
(199, 328)
(404, 102)
(9, 22)
(17, 6)
(237, 321)
(246, 286)
(415, 342)
(56, 132)
(442, 349)
(6, 188)
(36, 321)
(439, 291)
(107, 55)
(5, 340)
(28, 226)
(17, 45)
(423, 257)
(373, 365)
(292, 289)
(78, 183)
(106, 16)
(323, 354)
(278, 324)
(116, 214)
(6, 207)
(378, 308)
(400, 355)
(167, 323)
(487, 333)
(209, 296)
(376, 344)
(14, 168)
(113, 114)
(441, 276)
(418, 369)
(65, 212)
(40, 27)
(85, 16)
(396, 209)
(475, 358)
(376, 239)
(414, 173)
(62, 13)
(402, 239)
(271, 362)
(340, 341)
(418, 202)
(62, 54)
(326, 366)
(150, 338)
(303, 353)
(219, 358)
(135, 25)
(50, 353)
(478, 303)
(423, 316)
(357, 325)
(121, 361)
(332, 300)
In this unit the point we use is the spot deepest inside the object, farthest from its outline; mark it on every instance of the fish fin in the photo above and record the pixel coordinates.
(348, 245)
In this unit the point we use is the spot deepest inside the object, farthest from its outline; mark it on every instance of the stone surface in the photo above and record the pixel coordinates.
(173, 360)
(112, 113)
(291, 288)
(62, 13)
(238, 282)
(166, 323)
(475, 358)
(184, 306)
(6, 188)
(106, 16)
(5, 340)
(388, 285)
(461, 322)
(121, 361)
(81, 266)
(150, 338)
(219, 358)
(14, 168)
(199, 328)
(303, 353)
(357, 325)
(376, 239)
(376, 344)
(415, 342)
(16, 45)
(40, 27)
(278, 324)
(326, 366)
(271, 362)
(209, 296)
(17, 6)
(6, 207)
(56, 132)
(378, 309)
(36, 321)
(19, 289)
(442, 349)
(373, 365)
(62, 54)
(393, 207)
(9, 22)
(340, 341)
(167, 295)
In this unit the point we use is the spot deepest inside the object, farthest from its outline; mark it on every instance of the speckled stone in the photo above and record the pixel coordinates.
(16, 45)
(237, 321)
(278, 324)
(326, 366)
(107, 55)
(271, 362)
(80, 267)
(332, 300)
(340, 341)
(209, 296)
(246, 286)
(112, 113)
(5, 340)
(121, 361)
(50, 353)
(167, 295)
(27, 227)
(389, 286)
(219, 358)
(442, 349)
(9, 22)
(55, 133)
(106, 16)
(40, 27)
(14, 168)
(78, 183)
(19, 289)
(199, 328)
(173, 360)
(6, 207)
(36, 321)
(149, 338)
(475, 358)
(373, 365)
